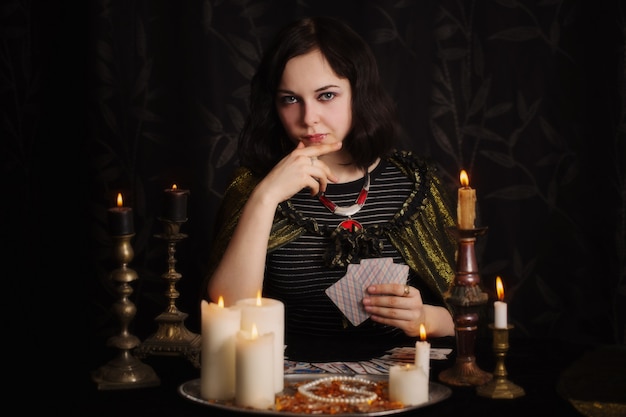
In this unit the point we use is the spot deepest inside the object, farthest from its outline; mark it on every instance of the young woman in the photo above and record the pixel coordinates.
(321, 187)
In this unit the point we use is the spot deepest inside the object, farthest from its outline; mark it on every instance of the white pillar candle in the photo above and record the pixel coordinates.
(422, 352)
(500, 310)
(500, 321)
(269, 316)
(254, 384)
(408, 384)
(219, 327)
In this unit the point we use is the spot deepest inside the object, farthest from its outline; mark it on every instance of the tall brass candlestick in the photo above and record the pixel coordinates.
(500, 386)
(466, 297)
(172, 338)
(124, 371)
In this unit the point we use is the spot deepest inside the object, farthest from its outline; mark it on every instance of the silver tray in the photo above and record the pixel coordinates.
(191, 391)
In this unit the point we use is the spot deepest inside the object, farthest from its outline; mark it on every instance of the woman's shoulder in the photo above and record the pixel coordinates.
(242, 180)
(424, 174)
(412, 164)
(239, 188)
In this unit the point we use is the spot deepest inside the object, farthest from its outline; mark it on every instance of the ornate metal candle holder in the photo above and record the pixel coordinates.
(500, 386)
(466, 297)
(124, 371)
(172, 338)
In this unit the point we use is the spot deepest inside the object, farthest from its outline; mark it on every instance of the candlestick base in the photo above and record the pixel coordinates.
(500, 387)
(465, 372)
(124, 371)
(172, 338)
(466, 297)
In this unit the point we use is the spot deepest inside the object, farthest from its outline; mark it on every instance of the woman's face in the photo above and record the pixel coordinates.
(314, 104)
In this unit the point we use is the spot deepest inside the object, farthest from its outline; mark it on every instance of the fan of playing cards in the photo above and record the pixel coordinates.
(348, 292)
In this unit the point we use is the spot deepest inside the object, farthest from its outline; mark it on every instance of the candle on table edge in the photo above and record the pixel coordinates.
(408, 384)
(254, 364)
(121, 218)
(500, 310)
(269, 316)
(422, 352)
(466, 204)
(175, 204)
(219, 327)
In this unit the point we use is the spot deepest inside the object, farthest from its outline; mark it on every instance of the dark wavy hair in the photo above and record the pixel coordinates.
(263, 141)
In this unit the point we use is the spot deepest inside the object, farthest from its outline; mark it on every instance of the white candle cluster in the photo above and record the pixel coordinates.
(242, 354)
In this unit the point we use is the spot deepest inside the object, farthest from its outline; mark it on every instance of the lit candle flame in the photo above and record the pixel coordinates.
(258, 298)
(254, 333)
(464, 179)
(220, 302)
(422, 332)
(120, 201)
(174, 187)
(499, 288)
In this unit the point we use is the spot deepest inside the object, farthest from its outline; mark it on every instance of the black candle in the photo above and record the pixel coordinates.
(175, 204)
(121, 219)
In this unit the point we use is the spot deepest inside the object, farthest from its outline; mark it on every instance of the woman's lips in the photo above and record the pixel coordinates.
(317, 138)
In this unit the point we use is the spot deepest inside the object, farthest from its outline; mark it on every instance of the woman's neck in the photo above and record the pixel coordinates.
(349, 172)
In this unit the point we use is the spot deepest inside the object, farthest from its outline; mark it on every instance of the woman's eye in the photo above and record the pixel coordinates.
(327, 96)
(289, 99)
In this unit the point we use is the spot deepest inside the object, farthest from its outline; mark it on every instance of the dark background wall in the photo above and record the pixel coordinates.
(100, 97)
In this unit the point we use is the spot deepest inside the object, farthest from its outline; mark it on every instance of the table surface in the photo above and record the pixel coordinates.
(536, 366)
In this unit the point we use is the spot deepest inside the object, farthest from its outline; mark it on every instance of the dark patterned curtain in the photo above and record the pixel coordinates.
(108, 96)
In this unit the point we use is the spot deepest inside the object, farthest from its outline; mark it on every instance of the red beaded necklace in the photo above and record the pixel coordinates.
(348, 224)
